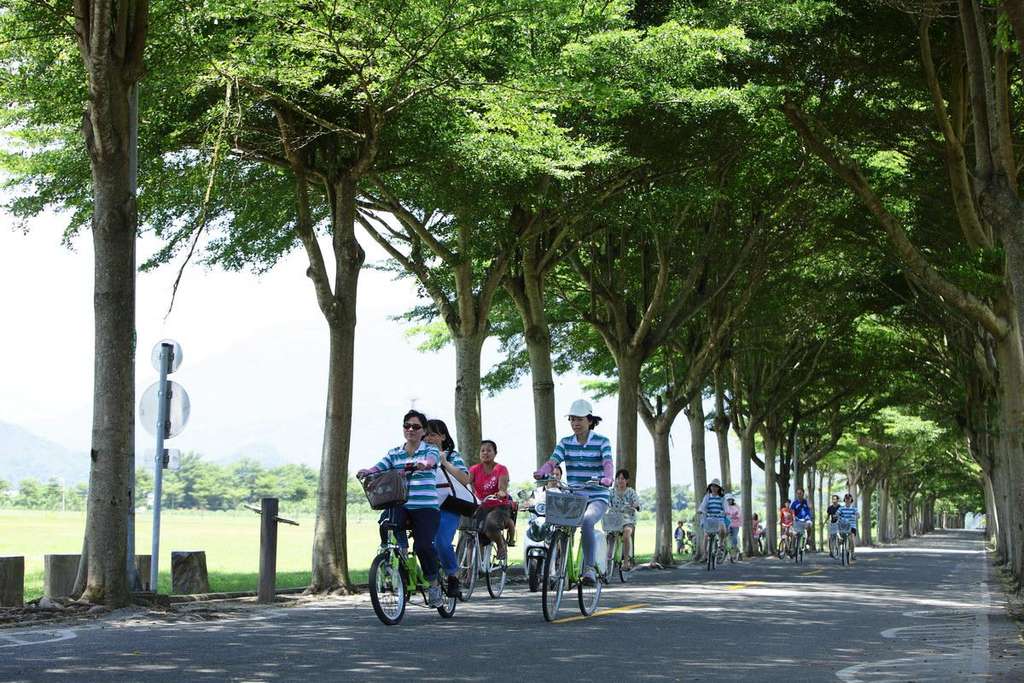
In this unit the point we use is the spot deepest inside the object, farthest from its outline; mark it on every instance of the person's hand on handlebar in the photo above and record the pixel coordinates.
(605, 481)
(364, 473)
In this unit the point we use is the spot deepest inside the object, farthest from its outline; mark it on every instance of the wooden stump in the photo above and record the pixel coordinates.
(188, 572)
(143, 563)
(12, 581)
(59, 572)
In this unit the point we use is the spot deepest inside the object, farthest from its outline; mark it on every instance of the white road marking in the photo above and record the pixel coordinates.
(26, 638)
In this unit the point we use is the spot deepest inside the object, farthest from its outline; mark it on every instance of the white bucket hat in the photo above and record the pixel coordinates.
(581, 408)
(715, 482)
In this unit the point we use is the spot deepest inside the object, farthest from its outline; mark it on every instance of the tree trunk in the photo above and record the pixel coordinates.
(527, 291)
(908, 514)
(771, 503)
(468, 350)
(330, 555)
(114, 225)
(747, 483)
(695, 416)
(721, 427)
(628, 412)
(991, 518)
(867, 492)
(883, 513)
(663, 526)
(810, 497)
(1010, 452)
(819, 512)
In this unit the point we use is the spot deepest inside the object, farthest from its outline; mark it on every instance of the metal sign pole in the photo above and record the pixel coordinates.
(163, 405)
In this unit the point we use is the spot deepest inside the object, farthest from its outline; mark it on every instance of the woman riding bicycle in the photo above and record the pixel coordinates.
(713, 509)
(833, 524)
(452, 465)
(490, 483)
(621, 516)
(848, 515)
(586, 456)
(421, 507)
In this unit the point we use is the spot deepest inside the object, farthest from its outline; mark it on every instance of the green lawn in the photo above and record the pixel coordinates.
(231, 541)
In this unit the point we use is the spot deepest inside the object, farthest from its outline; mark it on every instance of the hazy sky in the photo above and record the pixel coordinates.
(255, 359)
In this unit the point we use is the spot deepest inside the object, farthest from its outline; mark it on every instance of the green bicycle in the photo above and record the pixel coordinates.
(616, 548)
(565, 510)
(395, 576)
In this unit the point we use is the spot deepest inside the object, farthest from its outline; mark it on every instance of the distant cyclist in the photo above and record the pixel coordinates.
(833, 527)
(786, 517)
(802, 511)
(621, 516)
(713, 509)
(848, 514)
(735, 516)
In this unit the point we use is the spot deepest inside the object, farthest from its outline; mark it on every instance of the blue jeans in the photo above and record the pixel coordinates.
(424, 528)
(443, 542)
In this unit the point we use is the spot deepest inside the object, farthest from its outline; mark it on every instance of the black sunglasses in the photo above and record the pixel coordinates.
(412, 427)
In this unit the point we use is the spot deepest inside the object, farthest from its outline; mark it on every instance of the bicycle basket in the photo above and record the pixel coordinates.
(387, 489)
(800, 525)
(844, 526)
(565, 509)
(712, 525)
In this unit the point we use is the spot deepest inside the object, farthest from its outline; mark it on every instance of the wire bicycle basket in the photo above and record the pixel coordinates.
(565, 509)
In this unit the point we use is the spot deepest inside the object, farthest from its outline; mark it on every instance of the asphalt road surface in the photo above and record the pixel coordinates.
(927, 610)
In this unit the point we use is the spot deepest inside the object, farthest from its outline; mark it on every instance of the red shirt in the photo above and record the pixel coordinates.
(487, 484)
(786, 516)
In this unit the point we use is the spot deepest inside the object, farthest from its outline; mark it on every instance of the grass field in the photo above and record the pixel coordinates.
(231, 541)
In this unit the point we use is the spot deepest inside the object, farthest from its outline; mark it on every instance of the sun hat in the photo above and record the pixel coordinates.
(581, 408)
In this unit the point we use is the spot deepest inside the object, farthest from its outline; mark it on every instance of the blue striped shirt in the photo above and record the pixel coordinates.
(713, 506)
(848, 514)
(442, 481)
(584, 462)
(422, 483)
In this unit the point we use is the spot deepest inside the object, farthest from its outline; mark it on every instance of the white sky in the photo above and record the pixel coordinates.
(255, 359)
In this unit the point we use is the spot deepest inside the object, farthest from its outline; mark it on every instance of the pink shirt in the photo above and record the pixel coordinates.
(487, 484)
(734, 515)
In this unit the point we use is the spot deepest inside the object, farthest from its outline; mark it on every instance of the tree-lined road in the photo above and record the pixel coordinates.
(930, 609)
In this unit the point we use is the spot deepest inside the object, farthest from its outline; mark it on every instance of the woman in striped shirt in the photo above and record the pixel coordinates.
(421, 508)
(585, 456)
(452, 464)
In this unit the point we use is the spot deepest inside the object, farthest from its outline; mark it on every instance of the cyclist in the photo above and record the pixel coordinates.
(833, 527)
(802, 511)
(757, 529)
(735, 516)
(623, 506)
(786, 521)
(421, 508)
(713, 508)
(586, 455)
(495, 514)
(847, 512)
(452, 464)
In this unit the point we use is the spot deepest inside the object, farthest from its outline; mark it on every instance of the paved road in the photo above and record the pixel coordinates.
(925, 611)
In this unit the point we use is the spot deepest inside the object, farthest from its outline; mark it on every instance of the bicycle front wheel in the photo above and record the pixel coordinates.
(468, 554)
(495, 573)
(554, 577)
(387, 588)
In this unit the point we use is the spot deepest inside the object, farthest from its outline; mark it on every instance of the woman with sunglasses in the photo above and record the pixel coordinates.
(453, 465)
(421, 508)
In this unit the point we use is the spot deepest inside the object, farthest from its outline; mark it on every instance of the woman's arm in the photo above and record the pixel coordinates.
(462, 475)
(503, 485)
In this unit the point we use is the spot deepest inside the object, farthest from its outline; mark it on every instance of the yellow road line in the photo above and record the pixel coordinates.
(601, 613)
(812, 573)
(740, 586)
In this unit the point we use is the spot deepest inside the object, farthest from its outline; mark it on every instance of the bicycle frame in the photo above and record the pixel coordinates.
(415, 580)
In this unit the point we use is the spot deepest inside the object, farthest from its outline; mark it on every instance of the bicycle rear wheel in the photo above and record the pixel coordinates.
(387, 588)
(495, 573)
(468, 554)
(534, 566)
(554, 577)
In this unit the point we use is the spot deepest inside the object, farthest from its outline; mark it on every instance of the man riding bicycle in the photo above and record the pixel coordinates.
(802, 511)
(833, 526)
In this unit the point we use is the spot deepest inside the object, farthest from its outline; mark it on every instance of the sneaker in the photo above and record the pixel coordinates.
(453, 588)
(589, 577)
(434, 597)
